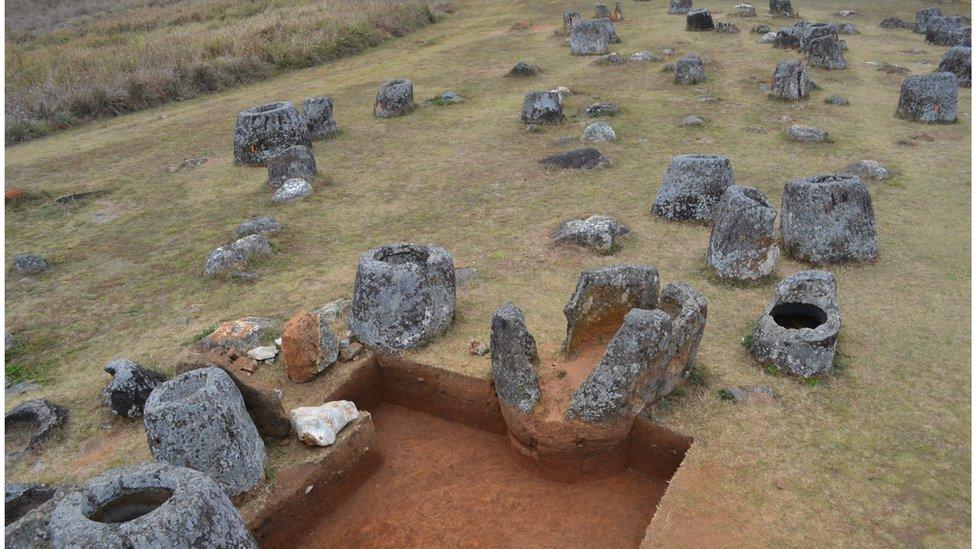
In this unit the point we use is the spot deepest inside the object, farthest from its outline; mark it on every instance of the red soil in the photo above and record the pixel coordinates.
(442, 484)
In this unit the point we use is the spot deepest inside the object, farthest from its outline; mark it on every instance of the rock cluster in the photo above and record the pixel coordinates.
(263, 132)
(797, 332)
(599, 232)
(742, 245)
(828, 219)
(131, 385)
(929, 98)
(198, 420)
(693, 185)
(395, 98)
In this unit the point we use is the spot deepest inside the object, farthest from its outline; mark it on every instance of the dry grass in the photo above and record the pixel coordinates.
(877, 456)
(68, 62)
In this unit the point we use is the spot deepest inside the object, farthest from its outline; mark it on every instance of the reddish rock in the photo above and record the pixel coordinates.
(308, 346)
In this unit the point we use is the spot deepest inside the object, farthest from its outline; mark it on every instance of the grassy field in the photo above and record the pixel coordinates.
(879, 455)
(68, 62)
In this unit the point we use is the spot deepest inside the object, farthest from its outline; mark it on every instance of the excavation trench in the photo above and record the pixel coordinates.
(429, 464)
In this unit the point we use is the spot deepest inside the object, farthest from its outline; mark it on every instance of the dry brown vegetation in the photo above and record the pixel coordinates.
(68, 62)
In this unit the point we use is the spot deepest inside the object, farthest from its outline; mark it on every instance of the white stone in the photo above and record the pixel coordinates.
(295, 188)
(319, 425)
(278, 342)
(767, 38)
(597, 132)
(263, 353)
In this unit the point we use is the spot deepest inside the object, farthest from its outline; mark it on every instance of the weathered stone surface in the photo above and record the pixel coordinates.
(264, 225)
(131, 384)
(294, 188)
(404, 296)
(570, 18)
(688, 309)
(524, 69)
(895, 23)
(727, 28)
(808, 32)
(781, 8)
(149, 505)
(868, 169)
(242, 334)
(637, 352)
(33, 530)
(837, 101)
(645, 55)
(602, 11)
(318, 117)
(603, 296)
(964, 36)
(699, 20)
(611, 59)
(601, 109)
(679, 7)
(768, 38)
(929, 98)
(592, 37)
(265, 131)
(959, 61)
(198, 420)
(308, 346)
(395, 98)
(599, 232)
(20, 498)
(798, 329)
(692, 187)
(806, 134)
(542, 108)
(263, 352)
(294, 162)
(335, 309)
(234, 257)
(513, 359)
(598, 132)
(319, 425)
(787, 38)
(689, 70)
(744, 10)
(791, 81)
(742, 245)
(29, 264)
(942, 31)
(692, 120)
(828, 219)
(826, 52)
(586, 158)
(34, 421)
(923, 16)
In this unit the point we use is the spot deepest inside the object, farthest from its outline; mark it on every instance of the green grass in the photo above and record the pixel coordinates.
(878, 456)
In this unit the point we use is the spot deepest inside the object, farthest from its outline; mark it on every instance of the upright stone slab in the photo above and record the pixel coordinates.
(688, 310)
(513, 359)
(592, 37)
(797, 331)
(404, 296)
(149, 505)
(319, 118)
(692, 187)
(828, 219)
(742, 245)
(699, 20)
(308, 346)
(689, 70)
(923, 16)
(808, 32)
(959, 61)
(679, 7)
(297, 161)
(395, 98)
(791, 81)
(198, 420)
(602, 297)
(264, 131)
(826, 52)
(542, 107)
(929, 98)
(130, 387)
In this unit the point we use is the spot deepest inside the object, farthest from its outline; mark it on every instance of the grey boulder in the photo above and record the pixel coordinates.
(297, 161)
(601, 109)
(586, 158)
(294, 188)
(797, 332)
(688, 310)
(148, 505)
(592, 37)
(598, 132)
(34, 421)
(542, 107)
(781, 8)
(395, 98)
(319, 118)
(689, 70)
(806, 134)
(699, 20)
(679, 7)
(791, 81)
(198, 420)
(828, 219)
(404, 296)
(929, 98)
(826, 52)
(29, 264)
(692, 187)
(599, 232)
(235, 257)
(959, 61)
(944, 31)
(742, 245)
(264, 131)
(513, 359)
(523, 69)
(131, 385)
(264, 225)
(868, 169)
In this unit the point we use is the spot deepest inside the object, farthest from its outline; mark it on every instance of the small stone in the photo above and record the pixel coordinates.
(599, 232)
(781, 8)
(28, 264)
(598, 132)
(524, 69)
(234, 257)
(319, 425)
(768, 38)
(239, 335)
(846, 13)
(692, 120)
(464, 275)
(806, 134)
(744, 10)
(264, 225)
(645, 55)
(689, 70)
(563, 92)
(9, 342)
(131, 385)
(263, 353)
(895, 23)
(868, 169)
(478, 348)
(446, 98)
(760, 394)
(586, 158)
(611, 59)
(668, 52)
(395, 98)
(727, 28)
(846, 28)
(334, 310)
(292, 190)
(186, 164)
(21, 388)
(350, 351)
(837, 101)
(601, 109)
